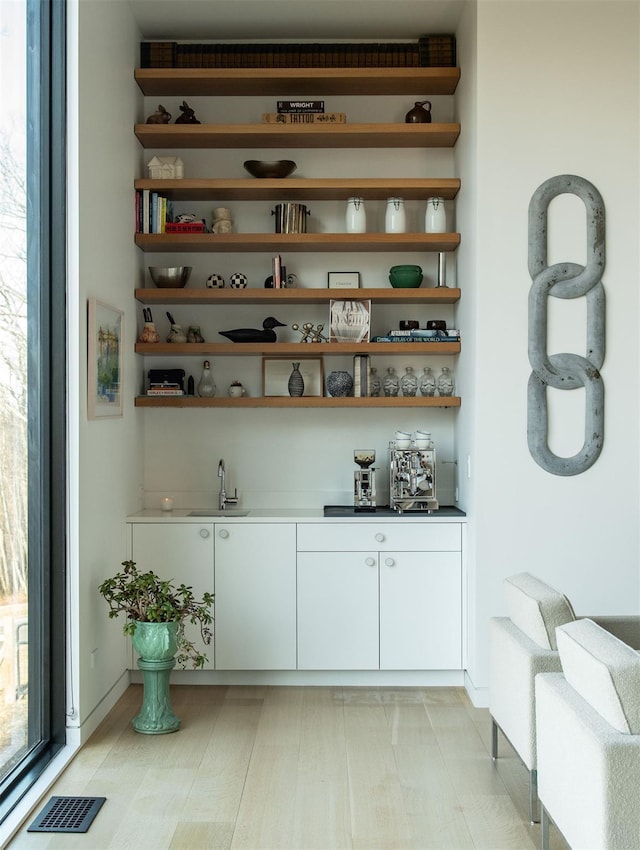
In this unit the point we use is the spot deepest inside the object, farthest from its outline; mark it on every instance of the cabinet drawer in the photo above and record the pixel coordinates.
(383, 536)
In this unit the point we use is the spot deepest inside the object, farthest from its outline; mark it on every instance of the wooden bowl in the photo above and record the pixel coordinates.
(279, 168)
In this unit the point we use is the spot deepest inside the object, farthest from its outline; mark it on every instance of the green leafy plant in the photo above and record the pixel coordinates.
(146, 598)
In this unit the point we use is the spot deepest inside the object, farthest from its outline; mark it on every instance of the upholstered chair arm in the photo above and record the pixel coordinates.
(625, 628)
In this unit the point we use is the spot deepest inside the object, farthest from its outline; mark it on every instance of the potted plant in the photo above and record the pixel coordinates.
(157, 611)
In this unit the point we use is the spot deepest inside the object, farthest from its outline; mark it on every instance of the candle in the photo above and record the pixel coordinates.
(167, 503)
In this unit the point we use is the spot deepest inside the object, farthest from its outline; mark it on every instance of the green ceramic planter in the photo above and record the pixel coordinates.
(156, 645)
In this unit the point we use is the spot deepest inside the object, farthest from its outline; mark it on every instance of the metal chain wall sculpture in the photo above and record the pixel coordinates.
(566, 371)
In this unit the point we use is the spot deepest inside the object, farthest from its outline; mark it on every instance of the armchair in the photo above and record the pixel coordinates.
(523, 645)
(588, 740)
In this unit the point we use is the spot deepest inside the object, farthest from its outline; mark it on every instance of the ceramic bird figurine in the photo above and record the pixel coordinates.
(267, 334)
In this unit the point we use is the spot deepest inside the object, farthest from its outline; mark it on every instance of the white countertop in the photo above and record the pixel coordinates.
(284, 515)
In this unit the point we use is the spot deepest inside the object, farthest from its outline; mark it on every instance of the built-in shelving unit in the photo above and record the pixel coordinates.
(309, 82)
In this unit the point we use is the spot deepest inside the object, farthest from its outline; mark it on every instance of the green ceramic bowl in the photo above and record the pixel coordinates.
(405, 277)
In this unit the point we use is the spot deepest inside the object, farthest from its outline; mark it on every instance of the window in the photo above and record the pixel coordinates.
(32, 396)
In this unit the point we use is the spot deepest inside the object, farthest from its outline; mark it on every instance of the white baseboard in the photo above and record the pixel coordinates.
(478, 696)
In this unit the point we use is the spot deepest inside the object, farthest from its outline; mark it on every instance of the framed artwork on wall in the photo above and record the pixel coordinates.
(105, 327)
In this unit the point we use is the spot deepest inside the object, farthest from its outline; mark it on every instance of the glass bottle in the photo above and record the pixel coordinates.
(391, 384)
(395, 220)
(375, 383)
(409, 382)
(206, 385)
(445, 382)
(435, 220)
(356, 217)
(427, 382)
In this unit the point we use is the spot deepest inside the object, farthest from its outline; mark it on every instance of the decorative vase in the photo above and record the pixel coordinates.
(427, 382)
(419, 115)
(156, 644)
(339, 384)
(176, 334)
(394, 219)
(409, 382)
(391, 384)
(296, 382)
(375, 383)
(445, 382)
(356, 217)
(236, 391)
(206, 385)
(149, 333)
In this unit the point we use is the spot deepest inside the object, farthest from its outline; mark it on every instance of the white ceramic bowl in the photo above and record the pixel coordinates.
(422, 444)
(403, 444)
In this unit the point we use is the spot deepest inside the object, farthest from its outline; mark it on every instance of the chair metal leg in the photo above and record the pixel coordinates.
(494, 739)
(534, 803)
(544, 829)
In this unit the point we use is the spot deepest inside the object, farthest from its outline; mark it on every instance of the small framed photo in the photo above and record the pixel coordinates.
(349, 321)
(276, 372)
(344, 280)
(105, 326)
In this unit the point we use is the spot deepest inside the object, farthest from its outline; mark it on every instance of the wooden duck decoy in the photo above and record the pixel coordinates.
(267, 334)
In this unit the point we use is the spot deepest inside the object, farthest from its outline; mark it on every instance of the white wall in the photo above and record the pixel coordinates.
(107, 471)
(557, 92)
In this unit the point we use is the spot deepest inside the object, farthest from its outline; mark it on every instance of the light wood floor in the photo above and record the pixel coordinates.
(281, 768)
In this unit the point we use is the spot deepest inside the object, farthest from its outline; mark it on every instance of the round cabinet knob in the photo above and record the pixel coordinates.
(370, 562)
(379, 537)
(390, 562)
(204, 533)
(223, 533)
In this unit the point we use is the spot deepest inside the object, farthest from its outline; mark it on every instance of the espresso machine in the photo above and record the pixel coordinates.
(412, 478)
(364, 480)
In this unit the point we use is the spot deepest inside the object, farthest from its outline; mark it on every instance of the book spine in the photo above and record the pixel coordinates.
(304, 117)
(300, 106)
(145, 210)
(276, 266)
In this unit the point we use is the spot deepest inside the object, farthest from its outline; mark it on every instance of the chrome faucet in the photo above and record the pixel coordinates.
(223, 499)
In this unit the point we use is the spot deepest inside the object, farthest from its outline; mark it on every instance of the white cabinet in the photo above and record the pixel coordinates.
(338, 611)
(382, 608)
(255, 596)
(183, 552)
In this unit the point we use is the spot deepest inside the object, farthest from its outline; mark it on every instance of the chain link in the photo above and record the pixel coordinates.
(566, 371)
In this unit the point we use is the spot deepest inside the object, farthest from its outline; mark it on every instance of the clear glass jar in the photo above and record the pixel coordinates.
(391, 384)
(409, 382)
(435, 220)
(445, 382)
(206, 385)
(395, 219)
(427, 382)
(356, 216)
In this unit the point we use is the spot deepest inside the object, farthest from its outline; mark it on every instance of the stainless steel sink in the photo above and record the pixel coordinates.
(215, 512)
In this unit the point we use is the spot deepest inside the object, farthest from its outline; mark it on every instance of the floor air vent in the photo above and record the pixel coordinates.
(67, 814)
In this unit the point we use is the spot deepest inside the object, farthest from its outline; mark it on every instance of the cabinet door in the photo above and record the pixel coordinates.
(181, 552)
(255, 596)
(420, 611)
(338, 611)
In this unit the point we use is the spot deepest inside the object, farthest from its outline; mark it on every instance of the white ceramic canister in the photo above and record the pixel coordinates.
(356, 217)
(395, 219)
(435, 220)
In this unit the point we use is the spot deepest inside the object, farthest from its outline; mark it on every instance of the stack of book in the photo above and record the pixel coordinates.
(361, 373)
(302, 112)
(417, 335)
(426, 51)
(152, 212)
(165, 388)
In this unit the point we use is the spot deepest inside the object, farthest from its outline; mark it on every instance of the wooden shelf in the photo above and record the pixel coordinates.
(212, 297)
(238, 136)
(310, 82)
(302, 189)
(292, 349)
(296, 242)
(305, 401)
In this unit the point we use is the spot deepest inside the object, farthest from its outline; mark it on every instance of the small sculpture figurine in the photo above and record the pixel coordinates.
(222, 220)
(159, 117)
(176, 334)
(194, 335)
(188, 115)
(309, 333)
(266, 334)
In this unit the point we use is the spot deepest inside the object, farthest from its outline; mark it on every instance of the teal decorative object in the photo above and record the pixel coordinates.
(156, 643)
